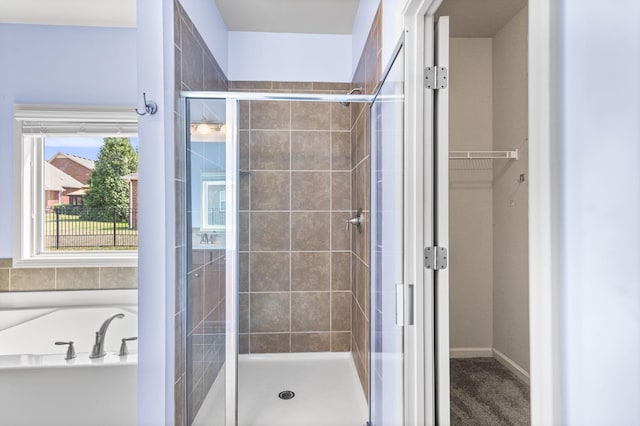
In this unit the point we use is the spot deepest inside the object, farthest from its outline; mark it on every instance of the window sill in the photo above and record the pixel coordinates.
(79, 260)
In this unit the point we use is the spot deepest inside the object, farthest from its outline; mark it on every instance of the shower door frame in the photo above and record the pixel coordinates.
(231, 180)
(232, 100)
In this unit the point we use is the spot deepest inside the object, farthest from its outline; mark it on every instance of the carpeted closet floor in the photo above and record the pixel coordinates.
(483, 392)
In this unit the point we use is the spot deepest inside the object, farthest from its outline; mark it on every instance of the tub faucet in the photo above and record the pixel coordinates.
(98, 347)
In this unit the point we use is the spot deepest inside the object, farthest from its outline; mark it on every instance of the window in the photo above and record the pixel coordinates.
(214, 203)
(76, 186)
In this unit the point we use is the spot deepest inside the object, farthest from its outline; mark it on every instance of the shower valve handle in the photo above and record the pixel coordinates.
(357, 221)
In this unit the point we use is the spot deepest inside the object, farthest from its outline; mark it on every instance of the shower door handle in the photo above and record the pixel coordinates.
(400, 305)
(410, 309)
(404, 303)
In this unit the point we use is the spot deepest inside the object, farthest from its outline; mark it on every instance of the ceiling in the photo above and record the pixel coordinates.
(479, 18)
(290, 16)
(92, 13)
(469, 18)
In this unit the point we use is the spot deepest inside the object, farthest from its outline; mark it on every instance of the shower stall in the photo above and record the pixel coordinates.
(294, 242)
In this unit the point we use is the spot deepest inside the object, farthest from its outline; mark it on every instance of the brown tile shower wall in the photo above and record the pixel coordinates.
(201, 270)
(295, 255)
(48, 279)
(367, 75)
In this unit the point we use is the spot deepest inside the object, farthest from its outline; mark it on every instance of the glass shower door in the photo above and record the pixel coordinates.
(387, 245)
(212, 261)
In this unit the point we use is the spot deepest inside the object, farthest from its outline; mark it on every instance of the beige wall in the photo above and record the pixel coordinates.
(510, 198)
(295, 261)
(488, 205)
(470, 195)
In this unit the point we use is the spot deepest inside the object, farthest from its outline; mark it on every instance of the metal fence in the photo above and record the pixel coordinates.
(79, 227)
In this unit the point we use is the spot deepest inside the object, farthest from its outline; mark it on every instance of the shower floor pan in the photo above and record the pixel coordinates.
(326, 387)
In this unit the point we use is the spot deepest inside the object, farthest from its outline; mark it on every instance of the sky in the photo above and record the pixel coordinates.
(82, 146)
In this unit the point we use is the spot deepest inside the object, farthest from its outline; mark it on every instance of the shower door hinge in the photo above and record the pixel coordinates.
(435, 258)
(435, 78)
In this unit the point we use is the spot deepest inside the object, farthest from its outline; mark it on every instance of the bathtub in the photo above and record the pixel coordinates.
(39, 387)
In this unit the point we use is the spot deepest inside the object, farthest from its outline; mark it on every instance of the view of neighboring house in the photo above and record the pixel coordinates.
(78, 168)
(66, 179)
(60, 188)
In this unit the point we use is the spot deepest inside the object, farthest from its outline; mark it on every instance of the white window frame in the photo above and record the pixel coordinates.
(28, 188)
(205, 204)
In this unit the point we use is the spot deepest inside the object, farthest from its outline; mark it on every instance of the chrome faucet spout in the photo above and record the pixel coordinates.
(98, 347)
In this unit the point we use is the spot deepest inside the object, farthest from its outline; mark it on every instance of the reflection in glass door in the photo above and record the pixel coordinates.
(212, 261)
(387, 231)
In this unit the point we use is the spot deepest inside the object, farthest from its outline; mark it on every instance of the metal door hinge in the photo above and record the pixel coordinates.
(435, 258)
(435, 78)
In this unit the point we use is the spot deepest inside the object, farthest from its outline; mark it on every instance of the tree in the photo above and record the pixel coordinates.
(107, 190)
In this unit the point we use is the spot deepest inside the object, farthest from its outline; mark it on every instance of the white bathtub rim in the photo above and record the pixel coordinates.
(82, 360)
(67, 299)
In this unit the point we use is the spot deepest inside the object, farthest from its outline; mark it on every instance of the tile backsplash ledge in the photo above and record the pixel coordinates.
(48, 279)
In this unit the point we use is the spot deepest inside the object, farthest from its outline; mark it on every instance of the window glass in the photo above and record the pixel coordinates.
(91, 193)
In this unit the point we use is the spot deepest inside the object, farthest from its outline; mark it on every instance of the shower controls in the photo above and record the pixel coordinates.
(71, 352)
(357, 221)
(123, 346)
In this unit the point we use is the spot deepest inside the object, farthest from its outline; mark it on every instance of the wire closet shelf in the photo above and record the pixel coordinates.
(483, 155)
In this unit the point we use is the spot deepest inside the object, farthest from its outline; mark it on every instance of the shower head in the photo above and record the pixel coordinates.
(351, 92)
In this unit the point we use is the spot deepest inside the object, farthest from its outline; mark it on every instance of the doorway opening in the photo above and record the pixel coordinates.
(488, 213)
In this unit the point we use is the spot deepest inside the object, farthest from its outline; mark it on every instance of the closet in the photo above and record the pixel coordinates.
(488, 219)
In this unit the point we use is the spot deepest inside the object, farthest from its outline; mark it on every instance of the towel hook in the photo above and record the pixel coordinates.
(149, 107)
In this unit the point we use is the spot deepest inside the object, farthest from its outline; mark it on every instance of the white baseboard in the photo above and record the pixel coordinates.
(511, 365)
(471, 352)
(507, 362)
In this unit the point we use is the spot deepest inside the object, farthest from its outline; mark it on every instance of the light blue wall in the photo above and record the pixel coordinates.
(206, 158)
(157, 220)
(361, 26)
(289, 57)
(599, 225)
(44, 64)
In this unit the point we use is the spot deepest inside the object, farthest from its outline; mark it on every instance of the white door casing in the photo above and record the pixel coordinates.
(420, 367)
(441, 225)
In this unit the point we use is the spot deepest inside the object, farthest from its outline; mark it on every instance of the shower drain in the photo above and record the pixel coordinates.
(286, 394)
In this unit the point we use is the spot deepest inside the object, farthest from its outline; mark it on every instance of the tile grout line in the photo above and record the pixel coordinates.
(249, 234)
(290, 220)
